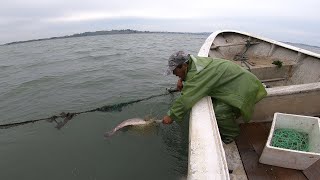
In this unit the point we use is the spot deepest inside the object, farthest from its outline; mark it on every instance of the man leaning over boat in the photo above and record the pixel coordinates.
(234, 90)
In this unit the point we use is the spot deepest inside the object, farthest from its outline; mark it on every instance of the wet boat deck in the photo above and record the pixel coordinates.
(250, 144)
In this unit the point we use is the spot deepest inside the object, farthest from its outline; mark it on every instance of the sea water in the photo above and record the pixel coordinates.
(44, 78)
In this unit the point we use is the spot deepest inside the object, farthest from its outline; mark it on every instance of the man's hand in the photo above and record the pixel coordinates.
(179, 85)
(166, 120)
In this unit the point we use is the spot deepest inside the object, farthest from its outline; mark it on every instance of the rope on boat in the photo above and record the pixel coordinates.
(290, 139)
(68, 116)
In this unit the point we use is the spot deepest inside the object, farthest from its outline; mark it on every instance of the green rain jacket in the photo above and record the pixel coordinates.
(222, 80)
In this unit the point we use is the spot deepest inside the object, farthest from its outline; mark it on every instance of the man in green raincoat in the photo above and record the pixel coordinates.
(234, 90)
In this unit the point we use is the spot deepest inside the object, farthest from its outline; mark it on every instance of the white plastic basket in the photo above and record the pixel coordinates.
(291, 158)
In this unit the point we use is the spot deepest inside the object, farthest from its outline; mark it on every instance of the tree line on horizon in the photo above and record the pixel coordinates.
(97, 33)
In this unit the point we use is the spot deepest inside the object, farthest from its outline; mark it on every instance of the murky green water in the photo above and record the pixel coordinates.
(41, 79)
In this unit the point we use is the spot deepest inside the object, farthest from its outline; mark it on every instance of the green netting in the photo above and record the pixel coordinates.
(290, 139)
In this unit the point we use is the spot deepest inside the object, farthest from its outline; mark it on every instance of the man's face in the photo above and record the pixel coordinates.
(181, 72)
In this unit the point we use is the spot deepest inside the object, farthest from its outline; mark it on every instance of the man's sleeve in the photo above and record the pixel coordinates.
(192, 92)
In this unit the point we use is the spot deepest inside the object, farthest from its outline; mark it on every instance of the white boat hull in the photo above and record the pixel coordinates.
(294, 88)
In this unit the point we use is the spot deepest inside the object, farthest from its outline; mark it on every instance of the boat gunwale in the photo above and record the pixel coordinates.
(204, 50)
(293, 89)
(273, 91)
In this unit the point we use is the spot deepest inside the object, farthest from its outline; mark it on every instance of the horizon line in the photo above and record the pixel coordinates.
(91, 33)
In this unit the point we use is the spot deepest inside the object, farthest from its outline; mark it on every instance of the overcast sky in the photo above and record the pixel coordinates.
(283, 20)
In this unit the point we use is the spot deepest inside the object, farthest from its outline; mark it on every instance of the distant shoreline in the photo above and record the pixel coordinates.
(98, 33)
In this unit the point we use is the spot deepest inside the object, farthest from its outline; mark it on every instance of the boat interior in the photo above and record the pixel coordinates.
(249, 145)
(291, 77)
(273, 64)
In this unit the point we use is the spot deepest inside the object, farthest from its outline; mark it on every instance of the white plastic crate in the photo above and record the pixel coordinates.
(291, 158)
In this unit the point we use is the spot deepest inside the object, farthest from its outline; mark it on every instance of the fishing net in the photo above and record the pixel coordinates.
(290, 139)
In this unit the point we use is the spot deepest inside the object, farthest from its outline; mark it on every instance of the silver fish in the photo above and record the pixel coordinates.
(131, 122)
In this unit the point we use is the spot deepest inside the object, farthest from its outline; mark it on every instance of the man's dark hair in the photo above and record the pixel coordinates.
(180, 65)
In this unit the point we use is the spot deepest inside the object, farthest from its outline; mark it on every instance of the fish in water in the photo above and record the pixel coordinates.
(132, 122)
